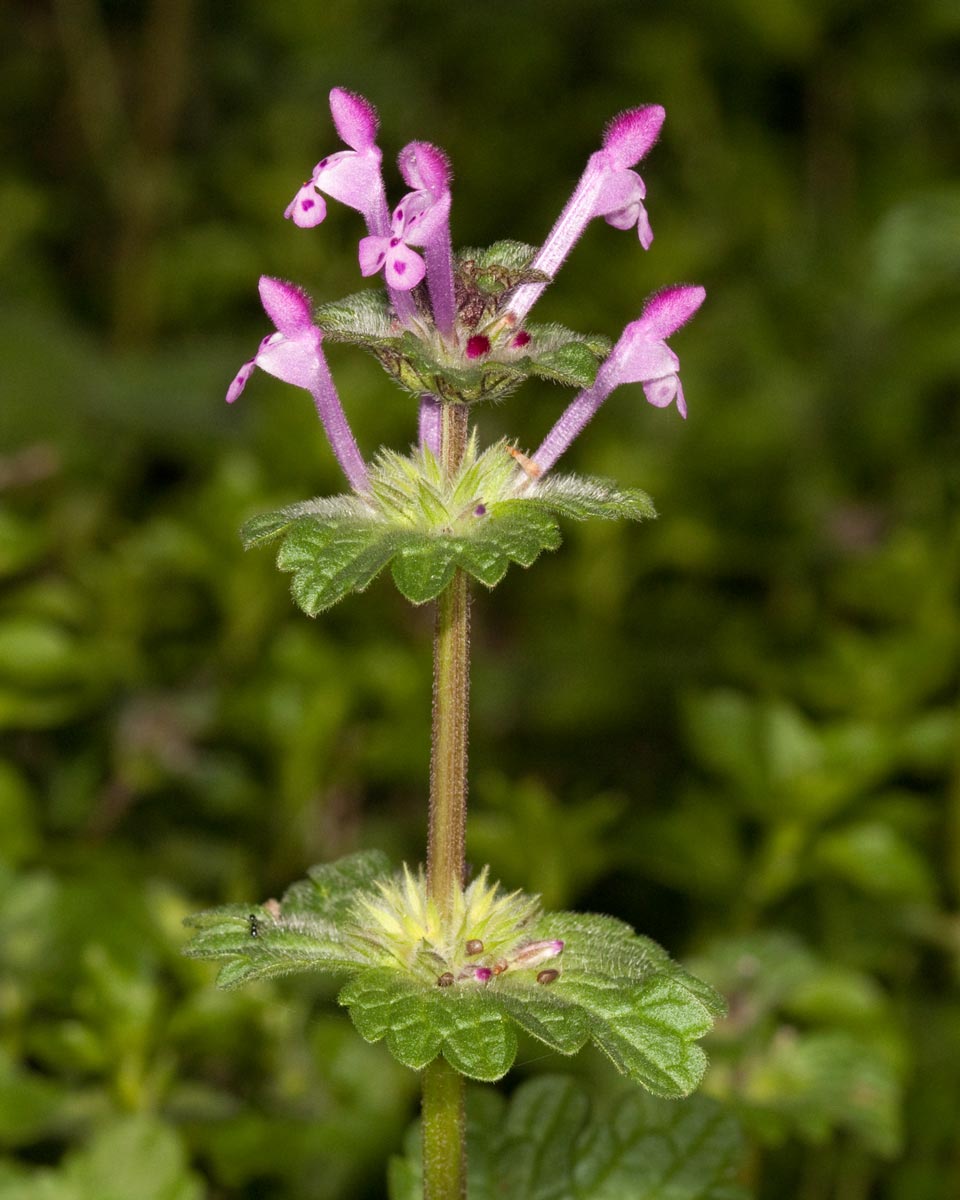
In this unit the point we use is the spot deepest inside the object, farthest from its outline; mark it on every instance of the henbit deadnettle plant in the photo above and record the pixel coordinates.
(443, 970)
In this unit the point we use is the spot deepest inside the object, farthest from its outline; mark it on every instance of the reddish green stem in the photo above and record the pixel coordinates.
(444, 1119)
(451, 701)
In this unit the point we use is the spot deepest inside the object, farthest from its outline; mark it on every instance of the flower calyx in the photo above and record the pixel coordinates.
(484, 935)
(485, 356)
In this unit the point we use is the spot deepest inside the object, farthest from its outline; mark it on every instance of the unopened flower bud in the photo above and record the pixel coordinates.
(536, 952)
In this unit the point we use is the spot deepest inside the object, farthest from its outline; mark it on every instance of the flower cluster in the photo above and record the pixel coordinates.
(483, 936)
(471, 339)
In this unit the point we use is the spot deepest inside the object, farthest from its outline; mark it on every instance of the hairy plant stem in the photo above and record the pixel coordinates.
(444, 1118)
(444, 1133)
(451, 698)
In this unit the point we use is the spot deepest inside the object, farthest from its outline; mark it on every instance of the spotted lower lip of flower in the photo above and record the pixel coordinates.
(353, 176)
(295, 354)
(402, 267)
(308, 208)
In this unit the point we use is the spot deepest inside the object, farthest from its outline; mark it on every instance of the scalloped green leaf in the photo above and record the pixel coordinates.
(573, 365)
(645, 1020)
(259, 945)
(424, 563)
(309, 930)
(547, 1017)
(648, 1031)
(423, 566)
(564, 356)
(424, 364)
(425, 527)
(418, 1023)
(330, 890)
(554, 1140)
(265, 527)
(413, 985)
(331, 559)
(386, 1004)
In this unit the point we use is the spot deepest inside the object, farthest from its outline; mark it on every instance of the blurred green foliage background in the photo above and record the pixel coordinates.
(736, 728)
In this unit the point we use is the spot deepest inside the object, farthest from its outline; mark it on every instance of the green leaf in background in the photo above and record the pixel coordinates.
(876, 859)
(809, 1047)
(573, 841)
(22, 542)
(552, 1141)
(130, 1158)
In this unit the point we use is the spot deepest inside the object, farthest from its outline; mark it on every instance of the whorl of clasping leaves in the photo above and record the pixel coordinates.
(463, 985)
(426, 525)
(452, 329)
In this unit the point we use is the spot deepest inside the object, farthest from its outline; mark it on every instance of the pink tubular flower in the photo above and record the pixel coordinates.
(426, 170)
(351, 176)
(640, 356)
(295, 354)
(608, 188)
(643, 356)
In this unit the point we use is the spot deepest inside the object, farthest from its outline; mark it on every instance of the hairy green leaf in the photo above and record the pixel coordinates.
(330, 889)
(361, 318)
(565, 978)
(267, 526)
(330, 559)
(571, 496)
(418, 1023)
(425, 527)
(310, 929)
